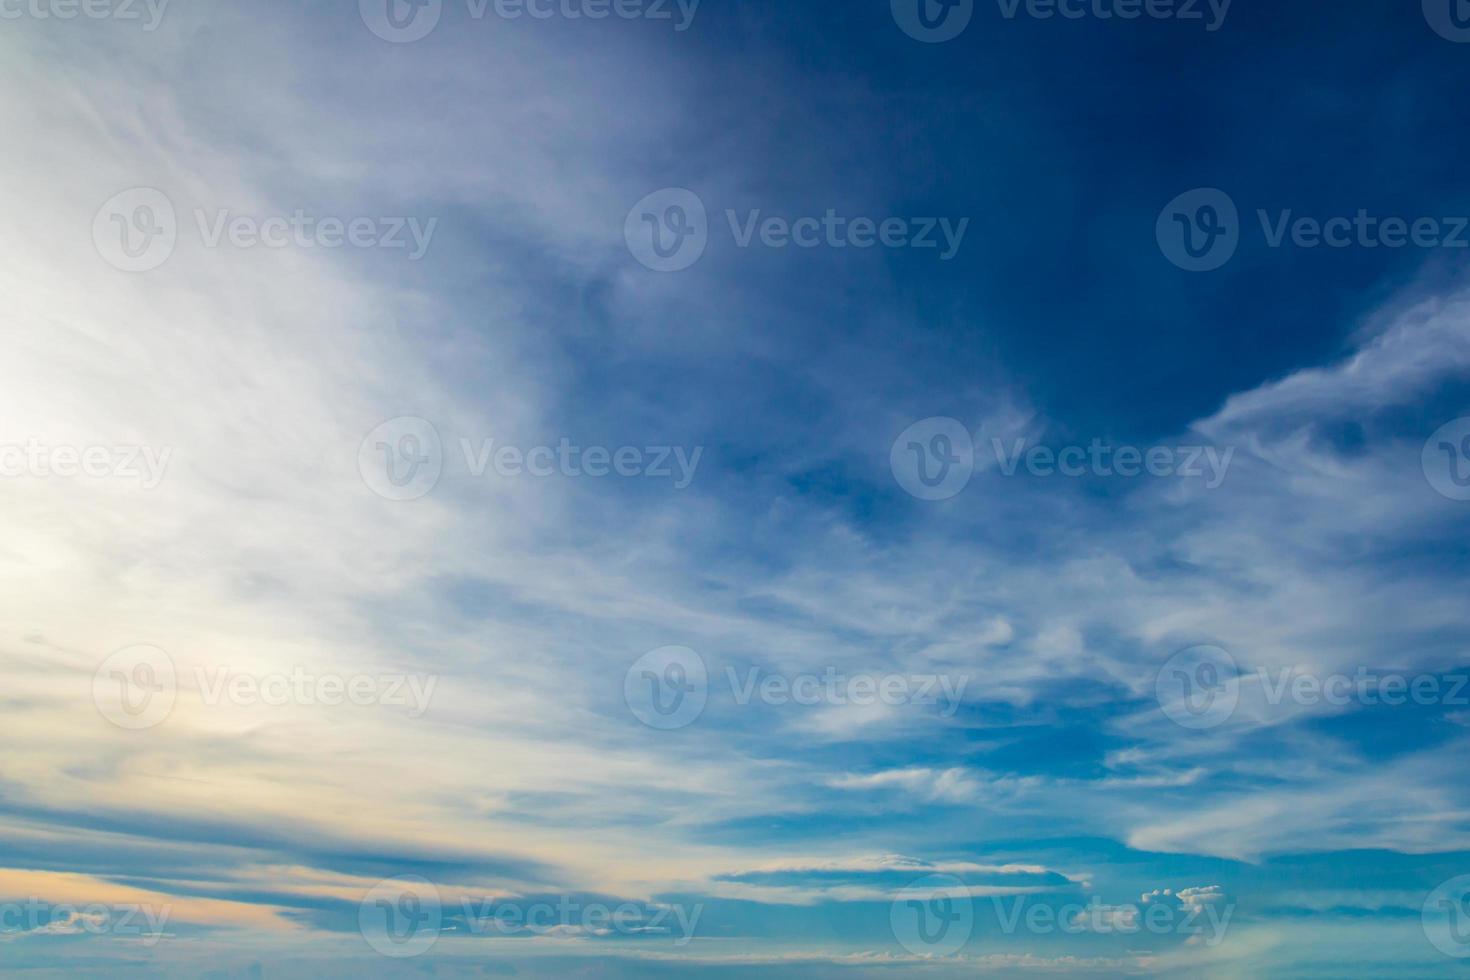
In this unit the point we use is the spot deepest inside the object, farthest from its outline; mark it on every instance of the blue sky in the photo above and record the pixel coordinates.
(857, 651)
